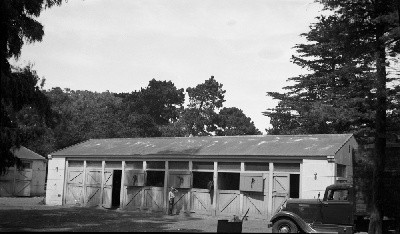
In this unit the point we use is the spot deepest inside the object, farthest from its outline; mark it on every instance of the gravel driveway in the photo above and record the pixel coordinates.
(30, 214)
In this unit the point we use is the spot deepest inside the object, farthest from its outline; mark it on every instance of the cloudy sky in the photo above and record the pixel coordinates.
(120, 46)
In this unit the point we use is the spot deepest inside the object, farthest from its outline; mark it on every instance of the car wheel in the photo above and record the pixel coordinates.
(284, 226)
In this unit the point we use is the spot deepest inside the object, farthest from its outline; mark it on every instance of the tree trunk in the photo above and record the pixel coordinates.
(375, 225)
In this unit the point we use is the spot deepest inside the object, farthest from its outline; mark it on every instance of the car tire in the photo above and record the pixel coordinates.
(284, 226)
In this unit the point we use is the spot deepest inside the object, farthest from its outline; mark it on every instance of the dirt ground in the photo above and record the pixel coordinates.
(30, 214)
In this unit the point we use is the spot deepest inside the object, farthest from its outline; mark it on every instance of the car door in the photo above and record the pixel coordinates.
(337, 208)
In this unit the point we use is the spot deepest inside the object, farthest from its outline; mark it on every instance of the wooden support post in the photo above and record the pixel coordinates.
(300, 182)
(122, 191)
(189, 200)
(215, 195)
(103, 163)
(64, 194)
(241, 197)
(270, 187)
(144, 187)
(84, 183)
(166, 188)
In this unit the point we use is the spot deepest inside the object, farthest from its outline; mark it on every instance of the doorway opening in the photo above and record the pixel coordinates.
(202, 179)
(155, 178)
(294, 186)
(228, 181)
(116, 189)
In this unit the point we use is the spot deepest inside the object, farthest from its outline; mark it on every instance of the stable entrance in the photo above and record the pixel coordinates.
(112, 188)
(116, 189)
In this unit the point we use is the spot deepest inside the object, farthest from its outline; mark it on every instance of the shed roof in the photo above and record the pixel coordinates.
(262, 145)
(25, 153)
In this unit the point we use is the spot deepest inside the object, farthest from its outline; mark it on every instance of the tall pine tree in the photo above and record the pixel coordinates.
(351, 86)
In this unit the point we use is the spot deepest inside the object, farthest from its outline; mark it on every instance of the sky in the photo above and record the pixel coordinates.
(119, 46)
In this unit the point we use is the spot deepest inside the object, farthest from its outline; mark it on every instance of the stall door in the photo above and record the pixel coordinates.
(181, 180)
(201, 201)
(133, 182)
(229, 202)
(254, 188)
(154, 198)
(23, 183)
(107, 188)
(182, 201)
(74, 194)
(93, 187)
(280, 190)
(7, 183)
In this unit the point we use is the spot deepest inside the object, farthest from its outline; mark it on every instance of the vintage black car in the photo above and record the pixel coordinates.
(336, 213)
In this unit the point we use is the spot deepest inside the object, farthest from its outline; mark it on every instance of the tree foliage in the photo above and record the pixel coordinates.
(351, 86)
(204, 100)
(233, 122)
(161, 100)
(18, 88)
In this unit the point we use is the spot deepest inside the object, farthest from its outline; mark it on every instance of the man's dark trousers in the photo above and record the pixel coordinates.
(171, 206)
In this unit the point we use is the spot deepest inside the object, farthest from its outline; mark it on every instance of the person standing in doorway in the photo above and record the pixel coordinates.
(171, 197)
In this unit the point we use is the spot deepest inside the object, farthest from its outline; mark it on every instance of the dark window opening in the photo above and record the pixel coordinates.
(294, 186)
(26, 165)
(75, 163)
(340, 170)
(203, 166)
(228, 181)
(178, 165)
(255, 166)
(232, 166)
(155, 178)
(155, 164)
(116, 189)
(201, 179)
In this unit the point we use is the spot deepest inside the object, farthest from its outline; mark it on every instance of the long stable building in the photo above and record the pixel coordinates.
(214, 175)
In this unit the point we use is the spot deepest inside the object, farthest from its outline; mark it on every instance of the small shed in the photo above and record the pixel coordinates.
(29, 180)
(214, 175)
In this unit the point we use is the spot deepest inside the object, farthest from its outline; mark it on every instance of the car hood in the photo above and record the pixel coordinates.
(308, 209)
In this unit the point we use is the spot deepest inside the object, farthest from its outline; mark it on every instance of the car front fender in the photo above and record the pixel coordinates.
(295, 218)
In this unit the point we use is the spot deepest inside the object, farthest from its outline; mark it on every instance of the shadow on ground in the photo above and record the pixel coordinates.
(83, 219)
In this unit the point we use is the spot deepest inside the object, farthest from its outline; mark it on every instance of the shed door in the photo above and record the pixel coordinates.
(107, 188)
(74, 194)
(23, 183)
(93, 187)
(280, 190)
(7, 183)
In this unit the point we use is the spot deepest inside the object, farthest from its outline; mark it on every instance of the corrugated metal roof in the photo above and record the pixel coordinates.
(25, 153)
(263, 145)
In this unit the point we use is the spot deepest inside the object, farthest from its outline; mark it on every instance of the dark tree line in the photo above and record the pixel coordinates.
(154, 111)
